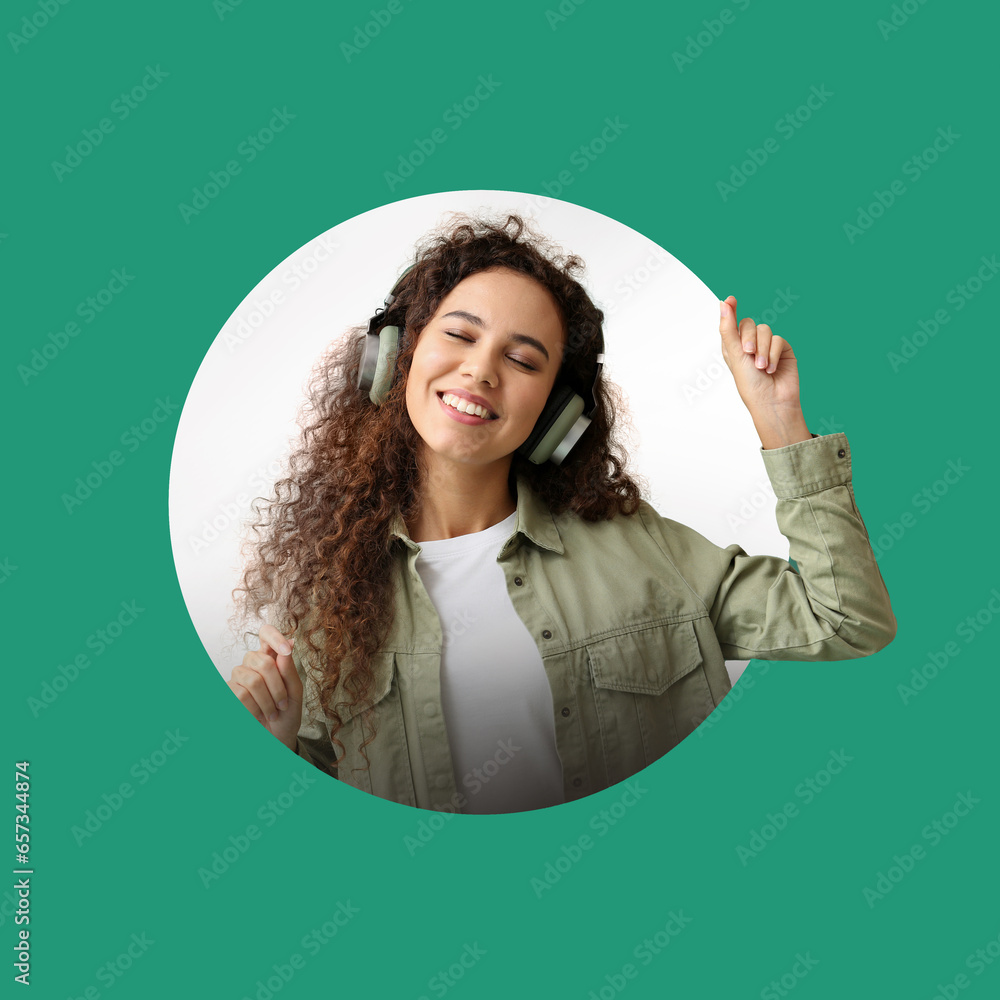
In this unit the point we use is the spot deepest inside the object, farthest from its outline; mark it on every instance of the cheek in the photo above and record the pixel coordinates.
(535, 404)
(411, 394)
(425, 366)
(417, 375)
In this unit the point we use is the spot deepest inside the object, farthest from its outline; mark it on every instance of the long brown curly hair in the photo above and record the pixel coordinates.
(320, 552)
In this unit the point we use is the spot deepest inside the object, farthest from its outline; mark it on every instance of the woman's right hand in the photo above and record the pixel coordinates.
(266, 680)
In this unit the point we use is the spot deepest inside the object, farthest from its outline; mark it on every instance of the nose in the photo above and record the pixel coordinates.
(481, 367)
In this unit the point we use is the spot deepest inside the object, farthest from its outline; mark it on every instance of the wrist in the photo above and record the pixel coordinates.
(780, 428)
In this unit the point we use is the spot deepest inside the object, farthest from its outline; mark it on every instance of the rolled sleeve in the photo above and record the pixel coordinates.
(835, 605)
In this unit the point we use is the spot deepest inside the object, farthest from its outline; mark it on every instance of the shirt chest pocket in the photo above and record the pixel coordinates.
(650, 691)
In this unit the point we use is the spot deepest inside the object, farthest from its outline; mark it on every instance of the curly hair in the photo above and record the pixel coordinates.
(321, 556)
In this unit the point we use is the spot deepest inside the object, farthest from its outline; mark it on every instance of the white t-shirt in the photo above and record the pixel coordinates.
(495, 695)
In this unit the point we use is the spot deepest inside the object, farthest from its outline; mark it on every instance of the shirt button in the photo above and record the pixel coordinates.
(577, 782)
(841, 453)
(565, 712)
(518, 581)
(441, 781)
(546, 634)
(430, 708)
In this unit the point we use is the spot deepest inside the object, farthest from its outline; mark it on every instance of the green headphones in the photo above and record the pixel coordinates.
(560, 425)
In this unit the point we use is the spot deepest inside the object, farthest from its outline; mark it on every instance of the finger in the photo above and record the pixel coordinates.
(275, 671)
(248, 701)
(259, 675)
(292, 682)
(778, 345)
(274, 639)
(764, 338)
(727, 327)
(249, 677)
(748, 335)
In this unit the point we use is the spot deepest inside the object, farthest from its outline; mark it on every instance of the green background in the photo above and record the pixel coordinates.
(467, 890)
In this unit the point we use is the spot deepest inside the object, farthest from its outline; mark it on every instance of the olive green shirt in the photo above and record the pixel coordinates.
(634, 619)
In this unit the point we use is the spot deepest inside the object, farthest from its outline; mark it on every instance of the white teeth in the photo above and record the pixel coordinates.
(464, 406)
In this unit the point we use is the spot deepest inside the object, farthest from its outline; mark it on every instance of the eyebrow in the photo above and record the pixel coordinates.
(517, 338)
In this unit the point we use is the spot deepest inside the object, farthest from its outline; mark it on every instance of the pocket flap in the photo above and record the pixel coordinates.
(383, 671)
(647, 661)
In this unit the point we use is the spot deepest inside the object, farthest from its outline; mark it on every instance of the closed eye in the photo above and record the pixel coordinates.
(469, 340)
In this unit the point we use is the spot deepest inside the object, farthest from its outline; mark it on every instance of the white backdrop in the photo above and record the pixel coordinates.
(692, 439)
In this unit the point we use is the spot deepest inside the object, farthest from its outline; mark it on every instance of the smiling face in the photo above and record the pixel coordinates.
(483, 367)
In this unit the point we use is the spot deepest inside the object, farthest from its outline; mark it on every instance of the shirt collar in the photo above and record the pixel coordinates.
(534, 521)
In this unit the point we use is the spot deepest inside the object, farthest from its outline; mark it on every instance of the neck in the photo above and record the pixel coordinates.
(459, 500)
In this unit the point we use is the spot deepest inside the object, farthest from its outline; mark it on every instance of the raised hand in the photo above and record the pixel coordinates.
(766, 374)
(268, 685)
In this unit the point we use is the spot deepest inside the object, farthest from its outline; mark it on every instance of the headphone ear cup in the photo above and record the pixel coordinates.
(557, 429)
(378, 363)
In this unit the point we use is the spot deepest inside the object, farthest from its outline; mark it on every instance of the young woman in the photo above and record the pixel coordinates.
(471, 606)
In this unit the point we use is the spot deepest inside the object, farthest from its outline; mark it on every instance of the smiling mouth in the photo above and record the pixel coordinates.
(464, 406)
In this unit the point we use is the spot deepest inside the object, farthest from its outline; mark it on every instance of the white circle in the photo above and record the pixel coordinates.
(692, 439)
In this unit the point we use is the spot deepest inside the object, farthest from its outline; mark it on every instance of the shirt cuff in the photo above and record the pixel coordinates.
(809, 466)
